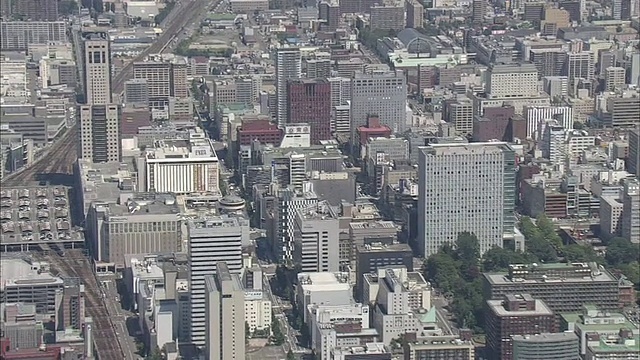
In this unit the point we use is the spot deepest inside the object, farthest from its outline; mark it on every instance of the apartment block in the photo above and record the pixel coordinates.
(100, 132)
(316, 238)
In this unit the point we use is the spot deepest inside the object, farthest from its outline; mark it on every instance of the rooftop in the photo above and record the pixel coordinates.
(465, 148)
(24, 272)
(321, 211)
(379, 247)
(39, 214)
(499, 308)
(105, 181)
(379, 224)
(546, 337)
(324, 281)
(197, 147)
(368, 349)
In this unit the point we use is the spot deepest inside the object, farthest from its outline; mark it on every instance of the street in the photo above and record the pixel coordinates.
(119, 319)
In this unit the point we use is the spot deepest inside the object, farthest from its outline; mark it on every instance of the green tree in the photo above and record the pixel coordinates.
(277, 336)
(156, 354)
(621, 251)
(468, 255)
(442, 270)
(580, 253)
(498, 258)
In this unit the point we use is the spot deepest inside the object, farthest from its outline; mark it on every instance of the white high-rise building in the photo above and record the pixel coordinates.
(97, 68)
(512, 81)
(537, 116)
(381, 94)
(553, 143)
(288, 67)
(631, 211)
(316, 236)
(465, 188)
(289, 202)
(211, 241)
(181, 166)
(340, 90)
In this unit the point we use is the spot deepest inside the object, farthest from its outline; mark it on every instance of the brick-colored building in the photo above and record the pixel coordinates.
(309, 101)
(262, 130)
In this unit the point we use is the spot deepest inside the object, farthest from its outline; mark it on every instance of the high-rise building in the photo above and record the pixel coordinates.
(460, 114)
(633, 162)
(36, 10)
(465, 188)
(631, 211)
(549, 346)
(288, 67)
(554, 19)
(517, 314)
(316, 238)
(549, 62)
(225, 325)
(579, 65)
(388, 15)
(18, 35)
(340, 90)
(614, 78)
(136, 91)
(329, 12)
(553, 145)
(309, 101)
(317, 68)
(478, 10)
(100, 132)
(415, 14)
(508, 81)
(97, 68)
(211, 241)
(166, 77)
(621, 9)
(381, 94)
(634, 74)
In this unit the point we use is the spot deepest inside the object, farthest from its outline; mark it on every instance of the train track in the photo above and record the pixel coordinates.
(76, 265)
(175, 25)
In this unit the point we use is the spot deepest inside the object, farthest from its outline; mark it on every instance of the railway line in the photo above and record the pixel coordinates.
(74, 264)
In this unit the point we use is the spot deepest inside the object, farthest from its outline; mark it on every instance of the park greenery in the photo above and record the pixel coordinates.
(456, 270)
(162, 14)
(183, 49)
(277, 336)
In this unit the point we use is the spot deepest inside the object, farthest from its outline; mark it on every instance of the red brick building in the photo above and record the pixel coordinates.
(309, 101)
(373, 129)
(262, 130)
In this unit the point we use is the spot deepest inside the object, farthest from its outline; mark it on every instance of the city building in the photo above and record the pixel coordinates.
(517, 314)
(630, 228)
(478, 11)
(478, 187)
(257, 310)
(29, 282)
(383, 95)
(633, 160)
(330, 289)
(373, 351)
(136, 91)
(18, 35)
(415, 14)
(261, 130)
(438, 347)
(288, 63)
(97, 69)
(537, 116)
(611, 216)
(181, 166)
(166, 77)
(551, 346)
(509, 81)
(460, 114)
(329, 12)
(212, 241)
(614, 78)
(622, 346)
(376, 255)
(35, 10)
(224, 318)
(142, 224)
(309, 101)
(100, 132)
(563, 287)
(388, 15)
(316, 238)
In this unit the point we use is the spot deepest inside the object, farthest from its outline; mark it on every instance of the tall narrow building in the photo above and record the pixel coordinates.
(97, 67)
(99, 118)
(288, 67)
(225, 324)
(309, 101)
(465, 188)
(211, 241)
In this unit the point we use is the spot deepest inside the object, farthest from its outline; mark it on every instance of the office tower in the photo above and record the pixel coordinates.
(556, 86)
(606, 59)
(622, 110)
(553, 145)
(516, 314)
(478, 10)
(549, 62)
(614, 78)
(574, 7)
(512, 81)
(309, 101)
(537, 116)
(36, 10)
(225, 326)
(381, 94)
(548, 346)
(578, 65)
(388, 15)
(97, 68)
(465, 188)
(17, 35)
(316, 238)
(633, 162)
(533, 12)
(100, 132)
(329, 13)
(621, 9)
(340, 90)
(554, 19)
(166, 77)
(211, 241)
(288, 67)
(427, 77)
(635, 68)
(318, 68)
(136, 91)
(631, 211)
(288, 203)
(376, 254)
(415, 14)
(460, 114)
